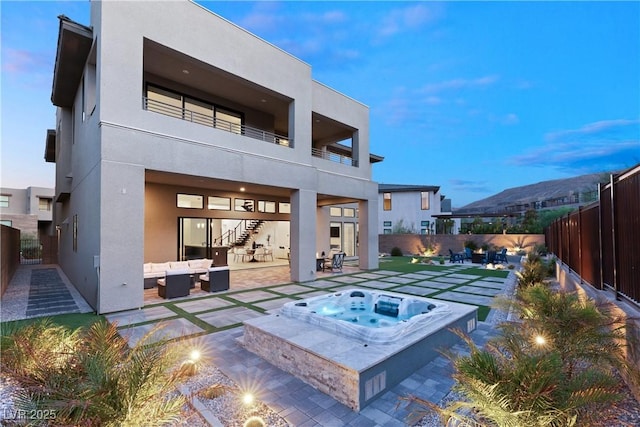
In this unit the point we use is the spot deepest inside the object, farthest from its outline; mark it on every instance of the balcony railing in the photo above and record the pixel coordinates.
(214, 122)
(334, 157)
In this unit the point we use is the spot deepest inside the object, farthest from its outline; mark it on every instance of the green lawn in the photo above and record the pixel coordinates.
(71, 321)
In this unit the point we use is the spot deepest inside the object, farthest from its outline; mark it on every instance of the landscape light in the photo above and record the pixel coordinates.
(195, 355)
(247, 398)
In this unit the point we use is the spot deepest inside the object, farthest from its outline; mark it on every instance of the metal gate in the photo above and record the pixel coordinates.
(30, 251)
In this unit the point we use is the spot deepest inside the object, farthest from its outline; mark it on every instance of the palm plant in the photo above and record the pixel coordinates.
(92, 377)
(548, 369)
(579, 330)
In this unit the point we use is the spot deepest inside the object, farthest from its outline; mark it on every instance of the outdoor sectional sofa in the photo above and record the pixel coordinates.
(158, 270)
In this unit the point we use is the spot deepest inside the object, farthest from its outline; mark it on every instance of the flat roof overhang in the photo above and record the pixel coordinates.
(74, 44)
(190, 181)
(50, 146)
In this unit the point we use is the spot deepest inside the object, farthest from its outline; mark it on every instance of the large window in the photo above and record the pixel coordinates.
(228, 120)
(386, 201)
(424, 200)
(174, 104)
(6, 222)
(4, 201)
(164, 102)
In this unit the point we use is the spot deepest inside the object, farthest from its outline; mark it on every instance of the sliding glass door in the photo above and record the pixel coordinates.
(193, 238)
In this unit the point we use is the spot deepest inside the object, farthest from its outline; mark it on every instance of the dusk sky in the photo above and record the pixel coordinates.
(474, 97)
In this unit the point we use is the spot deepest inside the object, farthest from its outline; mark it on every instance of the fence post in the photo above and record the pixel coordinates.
(580, 266)
(613, 239)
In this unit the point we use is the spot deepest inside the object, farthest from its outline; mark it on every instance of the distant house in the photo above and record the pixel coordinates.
(413, 209)
(164, 137)
(30, 210)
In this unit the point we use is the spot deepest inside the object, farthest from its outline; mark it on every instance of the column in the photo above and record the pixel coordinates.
(303, 235)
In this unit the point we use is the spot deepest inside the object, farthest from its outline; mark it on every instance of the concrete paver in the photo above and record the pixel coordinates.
(299, 403)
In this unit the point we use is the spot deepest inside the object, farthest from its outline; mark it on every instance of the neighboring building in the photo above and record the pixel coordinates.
(162, 134)
(413, 209)
(30, 210)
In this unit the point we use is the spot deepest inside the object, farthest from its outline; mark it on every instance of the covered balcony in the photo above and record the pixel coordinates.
(182, 87)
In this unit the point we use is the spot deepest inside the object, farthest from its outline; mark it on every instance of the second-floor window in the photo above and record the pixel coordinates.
(386, 201)
(174, 104)
(4, 201)
(424, 200)
(44, 204)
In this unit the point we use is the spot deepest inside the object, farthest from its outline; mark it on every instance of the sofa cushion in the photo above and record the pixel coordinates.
(152, 274)
(147, 267)
(178, 272)
(160, 266)
(200, 264)
(179, 265)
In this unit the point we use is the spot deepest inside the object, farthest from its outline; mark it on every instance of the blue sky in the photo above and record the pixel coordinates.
(474, 97)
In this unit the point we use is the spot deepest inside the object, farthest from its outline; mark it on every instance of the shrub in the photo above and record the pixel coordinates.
(533, 271)
(551, 368)
(471, 244)
(92, 377)
(396, 251)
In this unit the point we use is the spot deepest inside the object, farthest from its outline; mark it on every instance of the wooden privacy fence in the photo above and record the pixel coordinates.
(601, 242)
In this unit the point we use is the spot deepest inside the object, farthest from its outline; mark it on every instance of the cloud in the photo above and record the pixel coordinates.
(511, 119)
(595, 147)
(457, 84)
(469, 186)
(18, 61)
(408, 18)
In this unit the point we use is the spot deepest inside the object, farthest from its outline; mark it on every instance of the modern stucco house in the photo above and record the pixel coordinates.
(413, 208)
(28, 209)
(162, 131)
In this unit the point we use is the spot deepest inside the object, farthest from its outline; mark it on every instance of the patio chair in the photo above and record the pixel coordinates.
(502, 256)
(455, 257)
(176, 283)
(468, 254)
(335, 262)
(259, 254)
(489, 258)
(268, 253)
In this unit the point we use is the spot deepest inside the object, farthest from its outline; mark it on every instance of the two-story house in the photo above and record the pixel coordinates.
(28, 209)
(413, 209)
(172, 119)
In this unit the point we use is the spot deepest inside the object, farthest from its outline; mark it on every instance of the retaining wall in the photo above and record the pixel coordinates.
(414, 244)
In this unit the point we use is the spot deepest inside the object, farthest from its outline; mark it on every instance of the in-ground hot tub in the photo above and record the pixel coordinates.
(367, 315)
(350, 362)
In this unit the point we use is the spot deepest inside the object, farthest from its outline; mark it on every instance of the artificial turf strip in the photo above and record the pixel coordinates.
(71, 321)
(192, 318)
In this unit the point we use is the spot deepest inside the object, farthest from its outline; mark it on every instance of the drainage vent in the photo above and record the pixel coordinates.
(375, 385)
(471, 325)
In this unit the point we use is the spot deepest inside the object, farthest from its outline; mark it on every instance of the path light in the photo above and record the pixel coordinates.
(540, 340)
(195, 355)
(254, 421)
(247, 398)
